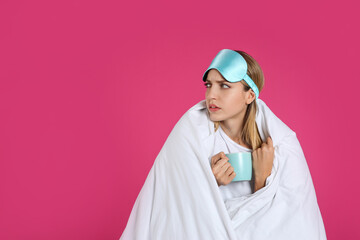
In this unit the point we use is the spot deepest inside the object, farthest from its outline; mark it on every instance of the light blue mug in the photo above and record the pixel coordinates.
(242, 164)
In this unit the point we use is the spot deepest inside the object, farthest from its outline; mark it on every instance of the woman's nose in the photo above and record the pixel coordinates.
(211, 93)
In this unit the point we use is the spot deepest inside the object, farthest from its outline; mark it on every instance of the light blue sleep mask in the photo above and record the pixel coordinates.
(232, 67)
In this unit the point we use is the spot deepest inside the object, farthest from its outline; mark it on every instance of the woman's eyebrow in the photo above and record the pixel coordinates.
(219, 81)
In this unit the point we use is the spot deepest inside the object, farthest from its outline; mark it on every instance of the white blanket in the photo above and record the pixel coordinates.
(180, 198)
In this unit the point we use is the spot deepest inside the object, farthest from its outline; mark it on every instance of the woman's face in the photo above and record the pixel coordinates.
(229, 97)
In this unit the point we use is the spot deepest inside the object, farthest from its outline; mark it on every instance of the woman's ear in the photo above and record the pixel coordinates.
(250, 96)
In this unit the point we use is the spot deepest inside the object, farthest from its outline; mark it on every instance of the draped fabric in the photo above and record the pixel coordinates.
(180, 198)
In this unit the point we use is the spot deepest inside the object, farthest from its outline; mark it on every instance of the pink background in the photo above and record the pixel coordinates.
(90, 90)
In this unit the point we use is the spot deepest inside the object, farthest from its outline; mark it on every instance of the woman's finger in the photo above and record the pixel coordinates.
(229, 171)
(216, 158)
(219, 165)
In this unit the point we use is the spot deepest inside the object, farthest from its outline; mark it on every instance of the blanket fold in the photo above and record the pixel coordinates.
(180, 198)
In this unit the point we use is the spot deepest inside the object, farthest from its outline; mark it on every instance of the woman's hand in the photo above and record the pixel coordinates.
(222, 169)
(263, 158)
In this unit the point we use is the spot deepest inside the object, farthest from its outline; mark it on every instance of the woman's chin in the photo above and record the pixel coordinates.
(215, 119)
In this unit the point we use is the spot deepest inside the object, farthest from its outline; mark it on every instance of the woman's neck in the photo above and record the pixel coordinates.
(233, 128)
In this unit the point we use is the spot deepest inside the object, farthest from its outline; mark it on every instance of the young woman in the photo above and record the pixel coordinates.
(189, 192)
(232, 108)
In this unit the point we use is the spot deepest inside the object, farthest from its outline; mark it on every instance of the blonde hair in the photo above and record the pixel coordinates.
(250, 133)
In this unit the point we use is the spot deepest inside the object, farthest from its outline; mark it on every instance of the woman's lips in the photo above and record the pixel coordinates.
(213, 109)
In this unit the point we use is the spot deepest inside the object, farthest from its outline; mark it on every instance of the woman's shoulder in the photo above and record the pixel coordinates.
(197, 118)
(269, 124)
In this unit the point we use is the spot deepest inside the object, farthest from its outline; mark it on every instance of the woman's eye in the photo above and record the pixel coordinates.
(206, 85)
